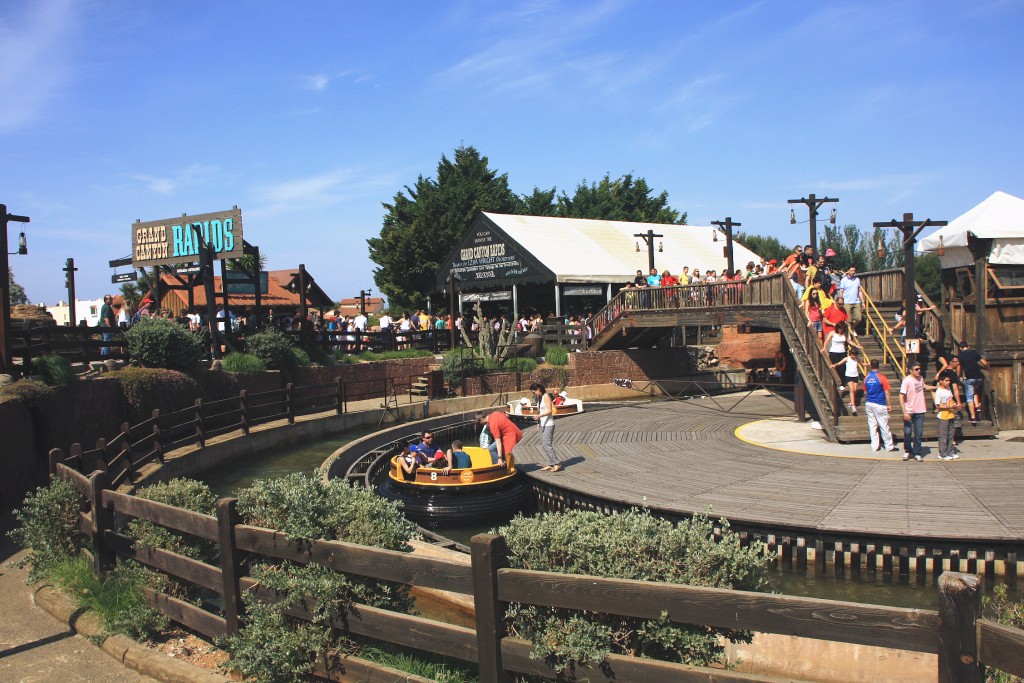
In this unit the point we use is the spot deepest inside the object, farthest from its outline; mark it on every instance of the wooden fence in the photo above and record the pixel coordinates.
(135, 446)
(964, 642)
(30, 339)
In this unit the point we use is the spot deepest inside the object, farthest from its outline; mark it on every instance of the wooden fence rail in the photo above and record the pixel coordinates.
(963, 641)
(138, 445)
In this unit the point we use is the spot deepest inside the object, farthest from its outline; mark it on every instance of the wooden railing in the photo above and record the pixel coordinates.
(963, 641)
(134, 446)
(30, 340)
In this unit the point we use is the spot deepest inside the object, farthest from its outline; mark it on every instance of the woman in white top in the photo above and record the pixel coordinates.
(546, 425)
(836, 343)
(851, 375)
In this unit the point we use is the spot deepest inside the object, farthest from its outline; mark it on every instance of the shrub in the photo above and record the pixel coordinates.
(54, 368)
(301, 356)
(556, 355)
(49, 528)
(162, 343)
(525, 365)
(274, 349)
(215, 385)
(632, 545)
(189, 495)
(394, 355)
(145, 389)
(244, 363)
(459, 363)
(306, 507)
(117, 599)
(1000, 607)
(342, 358)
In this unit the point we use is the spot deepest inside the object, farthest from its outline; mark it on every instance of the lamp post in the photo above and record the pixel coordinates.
(363, 293)
(69, 282)
(813, 204)
(648, 237)
(910, 230)
(5, 273)
(727, 225)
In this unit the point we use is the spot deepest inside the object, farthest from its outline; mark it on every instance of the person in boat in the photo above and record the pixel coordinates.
(457, 458)
(505, 434)
(409, 462)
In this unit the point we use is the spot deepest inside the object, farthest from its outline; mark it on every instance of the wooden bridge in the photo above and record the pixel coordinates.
(644, 317)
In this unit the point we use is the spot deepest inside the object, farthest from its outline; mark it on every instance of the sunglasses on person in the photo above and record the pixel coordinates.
(915, 369)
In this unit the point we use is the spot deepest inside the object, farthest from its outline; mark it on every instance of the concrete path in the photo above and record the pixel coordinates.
(35, 647)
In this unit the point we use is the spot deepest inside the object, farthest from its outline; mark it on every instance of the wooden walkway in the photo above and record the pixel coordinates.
(681, 457)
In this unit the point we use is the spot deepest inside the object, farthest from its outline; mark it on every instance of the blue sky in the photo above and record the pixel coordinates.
(309, 115)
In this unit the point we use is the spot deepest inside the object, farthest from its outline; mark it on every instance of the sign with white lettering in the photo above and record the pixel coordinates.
(178, 240)
(118, 278)
(487, 296)
(487, 258)
(238, 282)
(583, 290)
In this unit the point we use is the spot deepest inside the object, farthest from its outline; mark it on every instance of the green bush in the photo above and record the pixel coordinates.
(395, 355)
(49, 528)
(162, 343)
(301, 356)
(306, 507)
(54, 368)
(556, 355)
(317, 355)
(274, 349)
(146, 389)
(187, 494)
(1001, 608)
(117, 599)
(632, 545)
(342, 358)
(244, 363)
(215, 385)
(459, 363)
(524, 365)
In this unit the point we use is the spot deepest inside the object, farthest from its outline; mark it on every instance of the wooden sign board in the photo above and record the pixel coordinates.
(178, 240)
(912, 345)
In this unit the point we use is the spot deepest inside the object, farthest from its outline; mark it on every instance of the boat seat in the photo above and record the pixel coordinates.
(481, 457)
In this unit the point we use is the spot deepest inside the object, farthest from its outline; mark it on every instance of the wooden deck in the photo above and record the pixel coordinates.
(681, 457)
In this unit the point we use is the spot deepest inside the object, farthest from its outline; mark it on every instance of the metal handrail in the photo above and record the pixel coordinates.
(882, 332)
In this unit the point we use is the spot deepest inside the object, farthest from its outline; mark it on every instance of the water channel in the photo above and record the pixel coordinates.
(239, 473)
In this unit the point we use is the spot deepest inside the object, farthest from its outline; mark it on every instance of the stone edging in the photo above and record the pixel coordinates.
(126, 651)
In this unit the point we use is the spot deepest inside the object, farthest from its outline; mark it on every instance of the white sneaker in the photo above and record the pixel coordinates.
(918, 458)
(953, 456)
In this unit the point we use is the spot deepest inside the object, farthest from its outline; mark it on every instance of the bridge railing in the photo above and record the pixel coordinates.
(956, 632)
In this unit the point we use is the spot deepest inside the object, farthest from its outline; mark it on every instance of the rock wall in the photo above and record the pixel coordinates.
(748, 350)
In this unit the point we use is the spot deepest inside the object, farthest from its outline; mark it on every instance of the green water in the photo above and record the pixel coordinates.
(228, 478)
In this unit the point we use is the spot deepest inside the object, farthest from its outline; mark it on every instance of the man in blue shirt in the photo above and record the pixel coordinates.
(876, 405)
(654, 280)
(850, 285)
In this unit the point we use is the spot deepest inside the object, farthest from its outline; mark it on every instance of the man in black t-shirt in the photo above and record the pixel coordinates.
(971, 364)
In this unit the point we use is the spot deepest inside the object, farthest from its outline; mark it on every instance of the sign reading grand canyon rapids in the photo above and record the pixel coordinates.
(484, 255)
(178, 240)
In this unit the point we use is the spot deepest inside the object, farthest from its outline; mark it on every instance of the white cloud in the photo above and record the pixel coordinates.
(314, 192)
(317, 82)
(33, 58)
(194, 175)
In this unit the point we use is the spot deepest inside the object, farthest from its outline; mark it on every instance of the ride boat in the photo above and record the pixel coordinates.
(480, 493)
(570, 406)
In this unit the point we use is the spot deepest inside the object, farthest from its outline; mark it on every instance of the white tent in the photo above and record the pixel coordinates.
(593, 251)
(999, 218)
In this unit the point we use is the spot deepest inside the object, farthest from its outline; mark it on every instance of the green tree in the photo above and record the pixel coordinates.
(424, 222)
(132, 293)
(18, 295)
(622, 199)
(769, 247)
(928, 273)
(539, 203)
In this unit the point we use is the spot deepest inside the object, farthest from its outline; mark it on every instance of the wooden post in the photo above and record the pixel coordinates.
(855, 560)
(243, 409)
(339, 396)
(126, 450)
(959, 609)
(904, 566)
(921, 566)
(102, 520)
(157, 447)
(200, 437)
(801, 555)
(344, 397)
(489, 555)
(1010, 569)
(55, 456)
(289, 402)
(799, 398)
(819, 557)
(871, 563)
(230, 563)
(787, 553)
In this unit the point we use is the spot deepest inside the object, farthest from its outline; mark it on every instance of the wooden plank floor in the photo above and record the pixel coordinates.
(683, 457)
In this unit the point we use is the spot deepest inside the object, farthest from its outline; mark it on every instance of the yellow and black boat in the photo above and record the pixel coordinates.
(468, 496)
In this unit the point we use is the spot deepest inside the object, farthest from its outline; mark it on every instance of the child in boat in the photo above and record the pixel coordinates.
(457, 458)
(409, 462)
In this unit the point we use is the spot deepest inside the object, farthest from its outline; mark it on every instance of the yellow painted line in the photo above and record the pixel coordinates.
(933, 459)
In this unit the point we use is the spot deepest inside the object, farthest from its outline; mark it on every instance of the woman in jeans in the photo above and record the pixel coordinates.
(546, 425)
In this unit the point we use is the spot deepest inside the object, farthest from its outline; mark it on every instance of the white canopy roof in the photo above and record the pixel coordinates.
(585, 250)
(999, 218)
